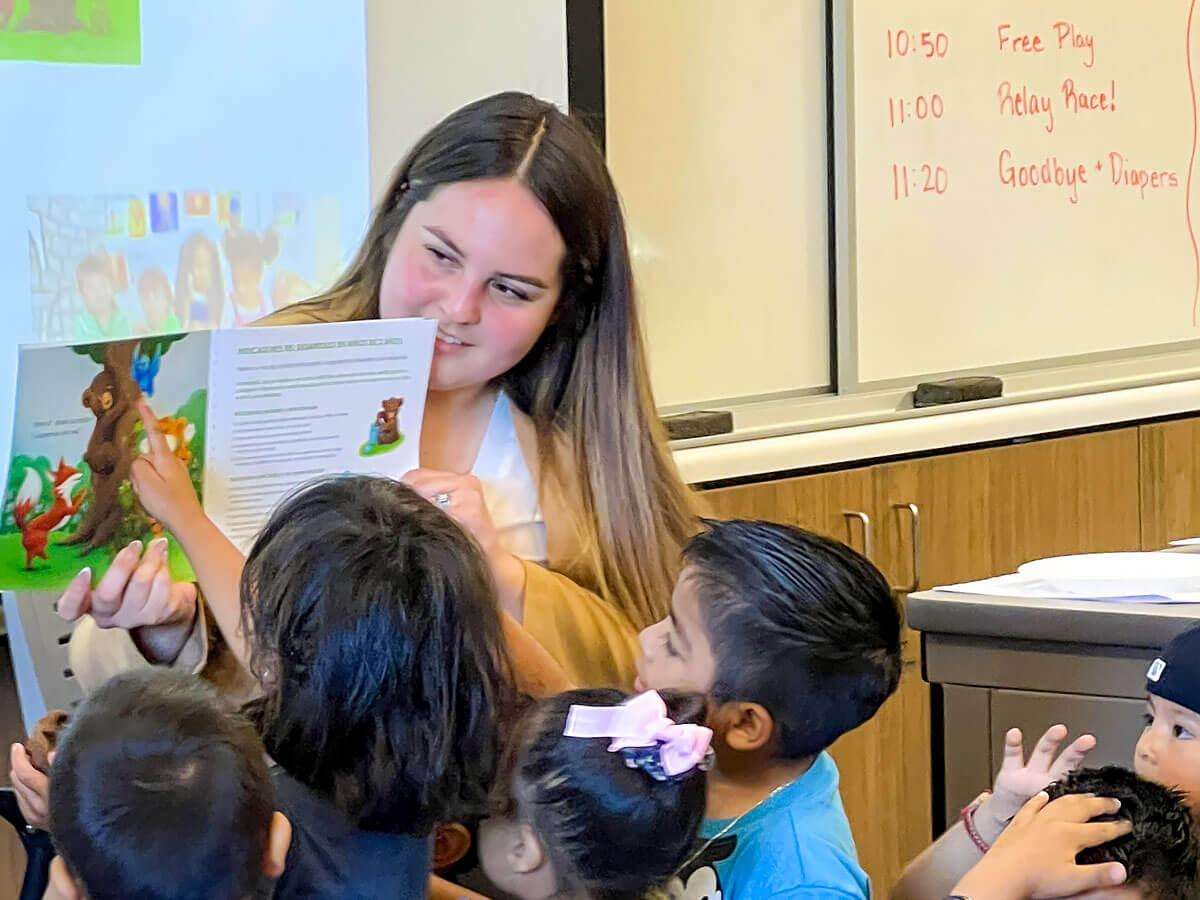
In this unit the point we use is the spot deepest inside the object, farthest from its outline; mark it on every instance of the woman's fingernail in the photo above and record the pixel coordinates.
(159, 545)
(85, 574)
(135, 546)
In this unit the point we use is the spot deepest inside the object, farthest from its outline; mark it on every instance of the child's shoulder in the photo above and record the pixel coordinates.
(789, 861)
(815, 837)
(802, 844)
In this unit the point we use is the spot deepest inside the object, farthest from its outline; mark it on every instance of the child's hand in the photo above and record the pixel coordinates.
(1018, 780)
(137, 593)
(161, 480)
(31, 787)
(1035, 857)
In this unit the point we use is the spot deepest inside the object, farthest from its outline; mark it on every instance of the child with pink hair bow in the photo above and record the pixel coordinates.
(647, 738)
(600, 795)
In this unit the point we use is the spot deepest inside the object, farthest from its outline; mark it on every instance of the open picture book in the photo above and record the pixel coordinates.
(252, 413)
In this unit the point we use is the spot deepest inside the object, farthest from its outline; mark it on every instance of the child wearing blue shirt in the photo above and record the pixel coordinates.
(795, 639)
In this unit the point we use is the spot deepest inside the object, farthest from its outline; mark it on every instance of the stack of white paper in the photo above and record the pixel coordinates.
(1108, 577)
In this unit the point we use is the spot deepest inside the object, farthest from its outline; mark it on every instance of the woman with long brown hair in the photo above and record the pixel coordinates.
(540, 435)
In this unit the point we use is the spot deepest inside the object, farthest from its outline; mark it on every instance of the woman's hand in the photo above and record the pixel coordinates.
(31, 787)
(161, 480)
(138, 594)
(1035, 857)
(1018, 780)
(461, 497)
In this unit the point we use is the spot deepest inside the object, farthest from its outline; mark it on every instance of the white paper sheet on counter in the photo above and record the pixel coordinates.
(1029, 588)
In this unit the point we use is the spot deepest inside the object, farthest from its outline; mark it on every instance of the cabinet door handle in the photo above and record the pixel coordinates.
(868, 545)
(915, 532)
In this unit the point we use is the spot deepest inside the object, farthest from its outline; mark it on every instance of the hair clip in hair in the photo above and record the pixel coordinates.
(649, 760)
(645, 736)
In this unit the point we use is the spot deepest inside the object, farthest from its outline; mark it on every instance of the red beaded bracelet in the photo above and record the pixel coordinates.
(968, 820)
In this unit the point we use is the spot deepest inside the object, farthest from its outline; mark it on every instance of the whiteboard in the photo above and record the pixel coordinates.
(716, 121)
(1020, 182)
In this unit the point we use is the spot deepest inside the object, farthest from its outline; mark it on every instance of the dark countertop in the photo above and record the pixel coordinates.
(1068, 621)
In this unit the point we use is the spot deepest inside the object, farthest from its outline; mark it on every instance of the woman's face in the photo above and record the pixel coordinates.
(483, 258)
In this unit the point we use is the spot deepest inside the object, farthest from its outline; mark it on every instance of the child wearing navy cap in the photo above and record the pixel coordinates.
(1168, 751)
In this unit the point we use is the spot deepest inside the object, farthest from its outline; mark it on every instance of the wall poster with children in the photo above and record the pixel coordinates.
(173, 167)
(110, 266)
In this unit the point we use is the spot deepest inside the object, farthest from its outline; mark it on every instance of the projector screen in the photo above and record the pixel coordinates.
(173, 165)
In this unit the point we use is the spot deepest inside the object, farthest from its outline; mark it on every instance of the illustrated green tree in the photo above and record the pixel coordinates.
(111, 397)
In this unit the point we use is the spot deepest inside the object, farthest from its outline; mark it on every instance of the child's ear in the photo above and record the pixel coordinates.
(62, 886)
(451, 842)
(279, 839)
(526, 854)
(743, 727)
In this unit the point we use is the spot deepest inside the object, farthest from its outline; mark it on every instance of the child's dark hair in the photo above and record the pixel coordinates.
(1161, 854)
(610, 830)
(376, 635)
(798, 623)
(159, 790)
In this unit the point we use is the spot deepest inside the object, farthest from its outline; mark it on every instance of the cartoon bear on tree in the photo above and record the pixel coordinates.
(112, 398)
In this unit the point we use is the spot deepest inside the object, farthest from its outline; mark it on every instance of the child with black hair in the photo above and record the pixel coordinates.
(375, 636)
(370, 629)
(160, 791)
(602, 796)
(1156, 854)
(1161, 855)
(795, 639)
(1041, 854)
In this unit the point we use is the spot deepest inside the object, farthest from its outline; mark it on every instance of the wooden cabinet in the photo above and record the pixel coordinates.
(815, 502)
(978, 513)
(1170, 482)
(985, 512)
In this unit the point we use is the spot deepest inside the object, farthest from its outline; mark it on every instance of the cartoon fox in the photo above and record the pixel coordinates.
(179, 433)
(35, 532)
